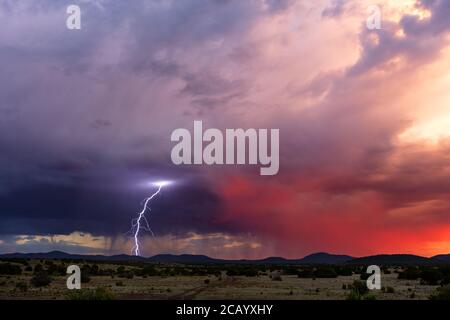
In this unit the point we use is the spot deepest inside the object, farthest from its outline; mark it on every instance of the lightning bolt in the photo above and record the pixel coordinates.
(141, 223)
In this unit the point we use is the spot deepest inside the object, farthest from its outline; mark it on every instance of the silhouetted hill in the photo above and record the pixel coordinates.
(68, 256)
(325, 258)
(316, 258)
(392, 259)
(183, 258)
(270, 260)
(442, 257)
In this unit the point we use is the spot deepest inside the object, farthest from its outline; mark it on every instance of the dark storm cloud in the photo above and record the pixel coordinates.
(103, 202)
(86, 118)
(73, 138)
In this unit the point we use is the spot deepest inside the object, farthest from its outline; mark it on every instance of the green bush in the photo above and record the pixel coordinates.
(364, 276)
(240, 271)
(41, 279)
(306, 273)
(95, 270)
(38, 268)
(128, 274)
(445, 280)
(388, 289)
(85, 277)
(358, 291)
(290, 271)
(120, 269)
(344, 271)
(325, 272)
(411, 273)
(386, 271)
(22, 286)
(360, 287)
(354, 295)
(431, 277)
(442, 293)
(57, 269)
(149, 271)
(10, 269)
(100, 293)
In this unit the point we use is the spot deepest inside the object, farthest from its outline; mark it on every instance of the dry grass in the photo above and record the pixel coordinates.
(194, 287)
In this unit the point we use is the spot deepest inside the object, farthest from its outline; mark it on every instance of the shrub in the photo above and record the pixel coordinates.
(360, 287)
(411, 273)
(305, 273)
(10, 269)
(290, 271)
(325, 272)
(38, 268)
(364, 276)
(85, 278)
(275, 276)
(442, 293)
(389, 289)
(353, 295)
(41, 279)
(126, 274)
(445, 281)
(149, 271)
(100, 293)
(120, 269)
(95, 270)
(344, 271)
(250, 272)
(22, 286)
(431, 277)
(58, 269)
(239, 271)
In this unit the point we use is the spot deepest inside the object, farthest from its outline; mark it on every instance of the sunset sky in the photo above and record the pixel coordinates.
(364, 117)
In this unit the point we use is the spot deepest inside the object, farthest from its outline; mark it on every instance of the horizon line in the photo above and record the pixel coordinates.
(226, 259)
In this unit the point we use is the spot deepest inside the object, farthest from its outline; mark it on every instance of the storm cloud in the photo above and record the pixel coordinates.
(86, 117)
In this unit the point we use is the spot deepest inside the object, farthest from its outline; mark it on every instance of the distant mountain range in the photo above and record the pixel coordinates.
(394, 259)
(316, 258)
(443, 257)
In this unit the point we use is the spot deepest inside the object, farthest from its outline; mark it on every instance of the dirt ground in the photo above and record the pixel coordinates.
(195, 287)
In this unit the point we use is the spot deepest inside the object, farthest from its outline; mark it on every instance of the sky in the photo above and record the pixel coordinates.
(86, 118)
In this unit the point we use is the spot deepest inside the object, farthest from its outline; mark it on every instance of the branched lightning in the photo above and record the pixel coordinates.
(141, 223)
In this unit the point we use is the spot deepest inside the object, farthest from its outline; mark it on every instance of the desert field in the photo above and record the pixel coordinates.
(133, 282)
